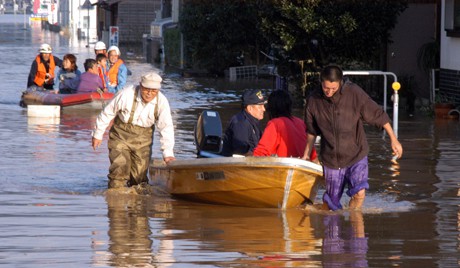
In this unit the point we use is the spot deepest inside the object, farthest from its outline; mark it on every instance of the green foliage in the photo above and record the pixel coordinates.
(217, 31)
(324, 31)
(428, 56)
(172, 45)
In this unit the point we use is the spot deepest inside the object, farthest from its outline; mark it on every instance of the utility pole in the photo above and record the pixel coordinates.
(88, 6)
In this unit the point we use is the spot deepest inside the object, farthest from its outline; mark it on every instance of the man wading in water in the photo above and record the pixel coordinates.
(136, 110)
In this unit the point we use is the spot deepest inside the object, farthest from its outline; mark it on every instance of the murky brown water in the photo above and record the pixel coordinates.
(55, 212)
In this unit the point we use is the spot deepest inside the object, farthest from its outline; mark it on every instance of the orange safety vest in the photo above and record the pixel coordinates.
(40, 76)
(102, 75)
(113, 72)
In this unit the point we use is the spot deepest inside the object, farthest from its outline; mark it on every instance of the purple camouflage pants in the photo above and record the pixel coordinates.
(354, 177)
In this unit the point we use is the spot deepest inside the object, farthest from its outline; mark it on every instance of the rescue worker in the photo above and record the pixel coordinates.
(41, 73)
(243, 132)
(136, 111)
(99, 48)
(118, 72)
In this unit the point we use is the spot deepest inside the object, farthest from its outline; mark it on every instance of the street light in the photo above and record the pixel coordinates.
(87, 5)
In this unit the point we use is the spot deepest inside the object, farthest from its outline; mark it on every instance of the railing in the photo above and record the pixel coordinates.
(248, 71)
(396, 86)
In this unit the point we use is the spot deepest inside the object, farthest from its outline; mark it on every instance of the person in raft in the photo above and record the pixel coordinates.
(41, 74)
(285, 135)
(101, 60)
(117, 72)
(244, 132)
(90, 80)
(69, 75)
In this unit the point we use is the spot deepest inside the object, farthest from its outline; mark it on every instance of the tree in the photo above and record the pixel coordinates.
(216, 32)
(331, 30)
(322, 31)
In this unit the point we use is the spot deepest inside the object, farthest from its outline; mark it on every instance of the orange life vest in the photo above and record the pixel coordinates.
(102, 74)
(113, 72)
(40, 76)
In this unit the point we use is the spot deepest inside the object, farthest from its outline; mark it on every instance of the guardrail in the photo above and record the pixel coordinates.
(396, 86)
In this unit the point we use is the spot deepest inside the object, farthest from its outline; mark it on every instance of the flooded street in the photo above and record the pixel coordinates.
(55, 212)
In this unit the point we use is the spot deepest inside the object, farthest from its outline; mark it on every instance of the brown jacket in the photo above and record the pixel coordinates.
(339, 121)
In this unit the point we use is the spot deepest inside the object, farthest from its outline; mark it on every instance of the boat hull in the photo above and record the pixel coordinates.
(93, 100)
(268, 182)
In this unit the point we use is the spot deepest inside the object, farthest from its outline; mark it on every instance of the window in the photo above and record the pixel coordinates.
(452, 18)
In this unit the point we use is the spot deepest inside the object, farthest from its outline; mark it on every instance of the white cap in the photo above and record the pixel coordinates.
(115, 48)
(99, 45)
(45, 48)
(151, 81)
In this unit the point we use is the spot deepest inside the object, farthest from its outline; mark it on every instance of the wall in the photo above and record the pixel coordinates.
(134, 18)
(416, 26)
(449, 76)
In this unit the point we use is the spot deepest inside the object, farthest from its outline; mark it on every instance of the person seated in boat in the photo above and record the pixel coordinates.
(101, 60)
(117, 71)
(285, 134)
(100, 48)
(243, 131)
(69, 75)
(90, 80)
(135, 111)
(42, 73)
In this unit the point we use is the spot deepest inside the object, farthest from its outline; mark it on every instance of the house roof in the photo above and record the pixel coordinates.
(108, 2)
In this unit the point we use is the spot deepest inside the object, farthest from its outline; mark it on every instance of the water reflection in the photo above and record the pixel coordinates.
(242, 235)
(43, 125)
(149, 232)
(129, 232)
(344, 243)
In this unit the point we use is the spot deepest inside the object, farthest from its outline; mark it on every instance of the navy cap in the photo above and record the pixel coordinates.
(253, 96)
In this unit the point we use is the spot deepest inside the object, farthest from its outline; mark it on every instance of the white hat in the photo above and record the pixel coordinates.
(151, 81)
(99, 45)
(45, 48)
(115, 48)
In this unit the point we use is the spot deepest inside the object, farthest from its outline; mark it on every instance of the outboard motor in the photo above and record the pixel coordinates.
(208, 134)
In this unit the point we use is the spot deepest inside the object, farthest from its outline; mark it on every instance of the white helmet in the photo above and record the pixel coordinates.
(99, 46)
(45, 48)
(114, 48)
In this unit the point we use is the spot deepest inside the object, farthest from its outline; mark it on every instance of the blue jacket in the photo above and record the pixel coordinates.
(242, 134)
(67, 80)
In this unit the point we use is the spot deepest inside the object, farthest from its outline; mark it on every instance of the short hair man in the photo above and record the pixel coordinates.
(135, 110)
(336, 112)
(90, 80)
(243, 132)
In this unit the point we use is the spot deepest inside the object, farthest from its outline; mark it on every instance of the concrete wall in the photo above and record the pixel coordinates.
(449, 76)
(416, 26)
(450, 47)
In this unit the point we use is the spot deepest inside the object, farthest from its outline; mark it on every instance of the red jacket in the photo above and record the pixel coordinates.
(284, 137)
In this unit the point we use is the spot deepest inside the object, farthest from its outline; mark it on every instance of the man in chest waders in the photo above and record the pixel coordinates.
(135, 110)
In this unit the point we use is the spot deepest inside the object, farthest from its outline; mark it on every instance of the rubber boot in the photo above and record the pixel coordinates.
(117, 184)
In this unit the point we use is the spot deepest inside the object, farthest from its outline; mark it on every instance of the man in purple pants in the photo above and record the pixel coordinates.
(336, 112)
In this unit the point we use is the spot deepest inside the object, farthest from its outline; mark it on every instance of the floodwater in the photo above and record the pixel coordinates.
(55, 211)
